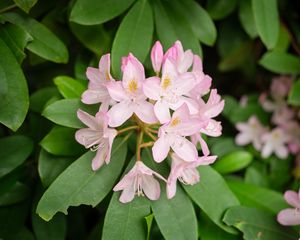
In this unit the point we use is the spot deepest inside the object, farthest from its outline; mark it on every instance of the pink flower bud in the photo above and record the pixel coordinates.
(157, 55)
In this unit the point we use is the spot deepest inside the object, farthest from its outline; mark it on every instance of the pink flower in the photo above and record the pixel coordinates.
(292, 130)
(139, 181)
(129, 95)
(99, 78)
(275, 141)
(282, 115)
(157, 55)
(281, 86)
(250, 132)
(97, 136)
(169, 91)
(185, 172)
(172, 135)
(290, 216)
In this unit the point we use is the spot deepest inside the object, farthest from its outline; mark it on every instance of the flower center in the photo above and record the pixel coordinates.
(107, 76)
(175, 122)
(132, 86)
(166, 82)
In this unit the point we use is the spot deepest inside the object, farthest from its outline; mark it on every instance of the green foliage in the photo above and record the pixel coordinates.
(294, 95)
(69, 87)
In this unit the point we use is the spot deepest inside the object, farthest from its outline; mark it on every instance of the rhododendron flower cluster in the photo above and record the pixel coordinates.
(167, 108)
(284, 138)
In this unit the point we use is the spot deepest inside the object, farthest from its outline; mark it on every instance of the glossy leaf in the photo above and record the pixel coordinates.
(126, 221)
(266, 21)
(92, 12)
(16, 39)
(19, 192)
(44, 44)
(199, 20)
(69, 87)
(255, 196)
(25, 5)
(149, 220)
(13, 92)
(284, 40)
(79, 184)
(246, 18)
(294, 94)
(204, 195)
(64, 112)
(50, 166)
(39, 98)
(224, 146)
(233, 162)
(134, 35)
(280, 62)
(257, 224)
(61, 141)
(219, 9)
(14, 151)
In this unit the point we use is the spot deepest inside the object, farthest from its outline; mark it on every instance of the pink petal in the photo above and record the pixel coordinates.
(104, 68)
(281, 152)
(87, 137)
(157, 55)
(87, 119)
(92, 96)
(184, 83)
(151, 187)
(197, 64)
(110, 134)
(160, 149)
(171, 188)
(128, 194)
(242, 139)
(120, 113)
(206, 160)
(186, 61)
(292, 198)
(145, 111)
(213, 128)
(289, 217)
(133, 70)
(185, 149)
(266, 150)
(182, 113)
(151, 88)
(197, 138)
(162, 111)
(116, 91)
(169, 70)
(98, 160)
(93, 75)
(190, 127)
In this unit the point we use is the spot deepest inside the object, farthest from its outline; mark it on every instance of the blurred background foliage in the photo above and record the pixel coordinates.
(45, 48)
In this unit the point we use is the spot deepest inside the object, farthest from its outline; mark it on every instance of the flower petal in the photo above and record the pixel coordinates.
(87, 137)
(157, 55)
(242, 139)
(101, 154)
(281, 152)
(145, 111)
(184, 149)
(104, 68)
(292, 198)
(171, 188)
(93, 75)
(162, 111)
(127, 194)
(110, 134)
(160, 149)
(151, 88)
(151, 187)
(116, 91)
(119, 113)
(289, 217)
(88, 120)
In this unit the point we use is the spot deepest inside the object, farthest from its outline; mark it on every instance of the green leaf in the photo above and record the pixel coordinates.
(53, 230)
(127, 218)
(294, 94)
(280, 62)
(246, 18)
(223, 146)
(233, 162)
(61, 141)
(200, 22)
(45, 44)
(256, 177)
(69, 87)
(13, 92)
(204, 195)
(255, 196)
(284, 40)
(172, 26)
(25, 5)
(149, 220)
(219, 9)
(23, 234)
(257, 224)
(79, 184)
(134, 35)
(19, 192)
(175, 217)
(50, 166)
(266, 20)
(14, 151)
(16, 39)
(64, 112)
(96, 38)
(39, 98)
(92, 12)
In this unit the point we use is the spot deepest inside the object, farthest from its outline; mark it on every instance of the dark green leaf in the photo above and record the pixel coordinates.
(45, 44)
(246, 18)
(257, 224)
(294, 94)
(79, 184)
(204, 195)
(92, 12)
(223, 146)
(16, 39)
(149, 220)
(219, 9)
(255, 177)
(134, 35)
(280, 62)
(69, 87)
(233, 162)
(126, 221)
(23, 234)
(64, 112)
(25, 5)
(51, 166)
(283, 41)
(17, 193)
(13, 90)
(255, 196)
(39, 98)
(266, 20)
(14, 151)
(61, 141)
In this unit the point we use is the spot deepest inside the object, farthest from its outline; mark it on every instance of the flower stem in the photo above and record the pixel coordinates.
(152, 130)
(138, 146)
(8, 8)
(150, 135)
(147, 144)
(128, 129)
